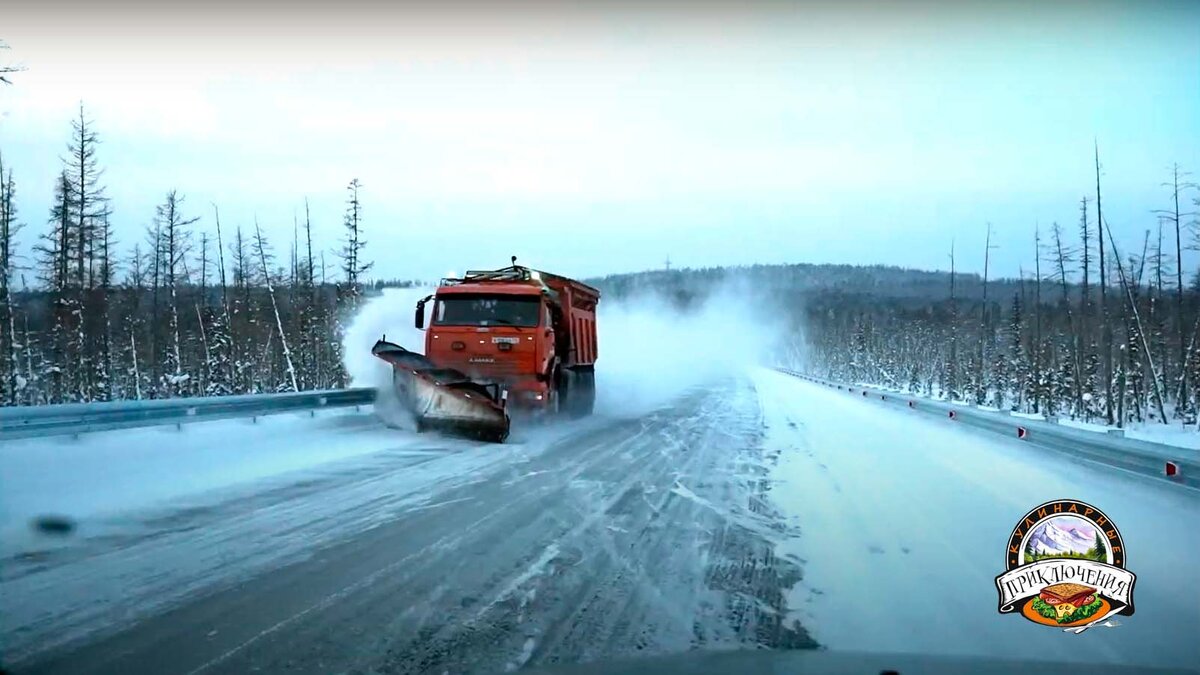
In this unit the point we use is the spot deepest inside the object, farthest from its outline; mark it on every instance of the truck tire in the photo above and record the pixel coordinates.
(587, 392)
(582, 397)
(562, 397)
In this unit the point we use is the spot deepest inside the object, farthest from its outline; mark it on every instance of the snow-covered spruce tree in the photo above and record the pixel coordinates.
(53, 258)
(354, 266)
(220, 371)
(88, 209)
(245, 328)
(174, 243)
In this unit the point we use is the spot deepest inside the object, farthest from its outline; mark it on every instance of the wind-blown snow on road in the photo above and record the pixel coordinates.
(752, 511)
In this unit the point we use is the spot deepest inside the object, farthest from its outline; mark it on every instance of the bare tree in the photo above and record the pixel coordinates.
(1106, 340)
(8, 69)
(984, 326)
(262, 248)
(1063, 255)
(1125, 282)
(10, 364)
(1180, 321)
(1038, 351)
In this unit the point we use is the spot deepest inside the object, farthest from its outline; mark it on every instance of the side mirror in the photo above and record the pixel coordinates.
(419, 318)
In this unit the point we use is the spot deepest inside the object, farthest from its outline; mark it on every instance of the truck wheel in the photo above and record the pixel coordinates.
(585, 393)
(587, 399)
(561, 399)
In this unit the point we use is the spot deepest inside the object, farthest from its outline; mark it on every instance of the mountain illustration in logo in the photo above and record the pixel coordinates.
(1065, 537)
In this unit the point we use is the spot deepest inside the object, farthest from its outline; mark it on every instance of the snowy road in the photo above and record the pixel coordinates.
(761, 511)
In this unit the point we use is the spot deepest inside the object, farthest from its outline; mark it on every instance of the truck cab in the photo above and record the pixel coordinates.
(530, 332)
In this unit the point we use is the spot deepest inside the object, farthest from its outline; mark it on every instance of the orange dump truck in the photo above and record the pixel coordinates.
(510, 338)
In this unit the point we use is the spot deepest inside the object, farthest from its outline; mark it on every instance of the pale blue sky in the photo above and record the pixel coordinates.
(589, 140)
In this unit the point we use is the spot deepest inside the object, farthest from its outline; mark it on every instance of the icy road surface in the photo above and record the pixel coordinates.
(760, 512)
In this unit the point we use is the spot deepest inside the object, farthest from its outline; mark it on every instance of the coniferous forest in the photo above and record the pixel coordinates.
(196, 307)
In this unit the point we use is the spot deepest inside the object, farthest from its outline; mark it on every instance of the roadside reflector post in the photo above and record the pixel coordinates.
(953, 415)
(1022, 432)
(1171, 469)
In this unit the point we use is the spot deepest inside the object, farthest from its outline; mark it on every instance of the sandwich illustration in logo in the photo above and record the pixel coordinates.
(1065, 567)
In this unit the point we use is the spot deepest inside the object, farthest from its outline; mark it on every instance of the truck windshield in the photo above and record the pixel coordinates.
(485, 310)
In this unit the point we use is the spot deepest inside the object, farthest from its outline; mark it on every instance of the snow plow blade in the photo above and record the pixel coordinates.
(444, 398)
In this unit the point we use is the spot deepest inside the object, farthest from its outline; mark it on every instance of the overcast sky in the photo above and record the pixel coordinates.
(589, 138)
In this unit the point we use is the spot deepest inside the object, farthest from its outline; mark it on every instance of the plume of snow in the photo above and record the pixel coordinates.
(389, 314)
(650, 352)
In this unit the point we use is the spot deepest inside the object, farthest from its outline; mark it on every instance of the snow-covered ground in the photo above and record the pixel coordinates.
(94, 477)
(1175, 434)
(903, 522)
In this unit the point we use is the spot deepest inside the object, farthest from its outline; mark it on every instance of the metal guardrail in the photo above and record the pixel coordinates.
(77, 418)
(1175, 464)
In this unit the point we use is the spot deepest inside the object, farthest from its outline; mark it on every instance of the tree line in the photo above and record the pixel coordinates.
(186, 311)
(1090, 331)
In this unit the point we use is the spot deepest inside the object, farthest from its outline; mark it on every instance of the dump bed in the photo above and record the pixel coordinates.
(578, 302)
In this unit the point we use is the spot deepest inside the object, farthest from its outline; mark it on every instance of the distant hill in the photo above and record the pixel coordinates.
(804, 279)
